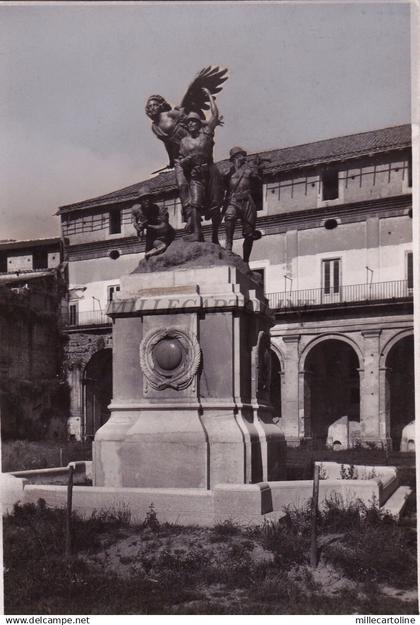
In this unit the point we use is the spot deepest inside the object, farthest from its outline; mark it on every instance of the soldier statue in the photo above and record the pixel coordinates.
(243, 197)
(170, 126)
(154, 220)
(205, 184)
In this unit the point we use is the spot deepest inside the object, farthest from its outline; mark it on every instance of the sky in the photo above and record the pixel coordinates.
(74, 79)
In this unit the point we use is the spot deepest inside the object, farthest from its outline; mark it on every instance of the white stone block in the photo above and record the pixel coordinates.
(408, 437)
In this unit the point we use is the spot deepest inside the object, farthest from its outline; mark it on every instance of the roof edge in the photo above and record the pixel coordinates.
(106, 200)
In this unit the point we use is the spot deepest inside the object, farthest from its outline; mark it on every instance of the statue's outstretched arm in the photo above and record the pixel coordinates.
(215, 118)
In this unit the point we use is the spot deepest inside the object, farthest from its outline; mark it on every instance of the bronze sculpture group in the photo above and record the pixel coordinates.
(189, 139)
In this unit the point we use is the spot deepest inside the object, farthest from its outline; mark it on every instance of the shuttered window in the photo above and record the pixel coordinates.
(73, 314)
(329, 178)
(115, 221)
(410, 279)
(331, 275)
(111, 291)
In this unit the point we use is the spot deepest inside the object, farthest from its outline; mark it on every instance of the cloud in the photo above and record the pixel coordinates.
(38, 176)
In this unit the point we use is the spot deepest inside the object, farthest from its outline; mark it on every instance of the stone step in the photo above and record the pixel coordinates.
(395, 504)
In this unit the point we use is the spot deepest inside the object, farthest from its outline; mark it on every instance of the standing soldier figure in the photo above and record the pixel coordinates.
(169, 124)
(205, 184)
(243, 192)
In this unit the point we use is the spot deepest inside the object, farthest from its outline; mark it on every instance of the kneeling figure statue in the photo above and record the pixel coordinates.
(154, 220)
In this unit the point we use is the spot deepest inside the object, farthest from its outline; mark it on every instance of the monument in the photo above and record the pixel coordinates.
(154, 220)
(191, 335)
(243, 195)
(191, 362)
(192, 429)
(200, 185)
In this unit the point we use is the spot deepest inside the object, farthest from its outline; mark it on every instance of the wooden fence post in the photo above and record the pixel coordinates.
(314, 512)
(69, 511)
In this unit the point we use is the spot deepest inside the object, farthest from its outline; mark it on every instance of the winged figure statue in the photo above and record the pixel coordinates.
(171, 126)
(168, 123)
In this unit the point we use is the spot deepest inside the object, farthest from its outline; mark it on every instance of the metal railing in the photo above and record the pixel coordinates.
(306, 298)
(286, 300)
(86, 318)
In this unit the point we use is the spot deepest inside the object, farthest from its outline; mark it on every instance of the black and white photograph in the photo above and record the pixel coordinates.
(209, 259)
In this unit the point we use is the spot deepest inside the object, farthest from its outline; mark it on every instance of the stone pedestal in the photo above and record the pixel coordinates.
(191, 383)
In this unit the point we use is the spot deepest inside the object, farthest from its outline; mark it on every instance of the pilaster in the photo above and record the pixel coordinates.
(371, 429)
(290, 409)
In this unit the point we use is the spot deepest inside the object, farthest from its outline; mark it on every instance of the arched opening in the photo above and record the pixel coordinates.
(400, 387)
(275, 387)
(332, 391)
(97, 383)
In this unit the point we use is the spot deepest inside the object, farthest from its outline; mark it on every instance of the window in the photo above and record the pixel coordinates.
(410, 172)
(261, 273)
(40, 259)
(331, 276)
(329, 179)
(115, 221)
(73, 314)
(409, 270)
(3, 262)
(112, 290)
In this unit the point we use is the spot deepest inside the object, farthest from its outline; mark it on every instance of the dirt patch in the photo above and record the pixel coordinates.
(134, 551)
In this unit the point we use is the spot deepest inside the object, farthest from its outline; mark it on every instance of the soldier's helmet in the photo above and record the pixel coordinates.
(235, 151)
(194, 115)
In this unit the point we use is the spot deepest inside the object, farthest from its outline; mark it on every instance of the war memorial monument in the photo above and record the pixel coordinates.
(192, 430)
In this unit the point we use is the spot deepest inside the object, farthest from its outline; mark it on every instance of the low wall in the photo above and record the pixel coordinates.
(240, 503)
(11, 492)
(190, 506)
(82, 471)
(385, 477)
(297, 494)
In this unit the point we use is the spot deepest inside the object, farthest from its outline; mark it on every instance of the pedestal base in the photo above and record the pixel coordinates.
(191, 383)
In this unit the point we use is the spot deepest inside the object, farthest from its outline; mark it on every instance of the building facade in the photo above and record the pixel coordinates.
(32, 390)
(337, 264)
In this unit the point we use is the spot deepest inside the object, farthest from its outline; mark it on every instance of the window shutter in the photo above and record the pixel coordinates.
(327, 278)
(336, 276)
(410, 280)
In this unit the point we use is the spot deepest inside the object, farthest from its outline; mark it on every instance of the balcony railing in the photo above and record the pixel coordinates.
(86, 318)
(352, 293)
(287, 300)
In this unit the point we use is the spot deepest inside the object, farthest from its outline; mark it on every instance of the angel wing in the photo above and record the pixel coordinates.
(211, 78)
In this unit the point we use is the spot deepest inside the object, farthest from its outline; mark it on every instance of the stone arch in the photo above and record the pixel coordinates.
(397, 366)
(391, 342)
(276, 349)
(97, 391)
(277, 374)
(329, 372)
(326, 337)
(79, 350)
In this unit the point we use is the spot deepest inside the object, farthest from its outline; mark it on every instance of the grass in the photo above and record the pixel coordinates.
(20, 455)
(159, 568)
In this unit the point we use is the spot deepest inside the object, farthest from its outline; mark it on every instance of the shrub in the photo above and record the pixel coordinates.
(151, 521)
(288, 538)
(379, 552)
(348, 473)
(298, 520)
(223, 531)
